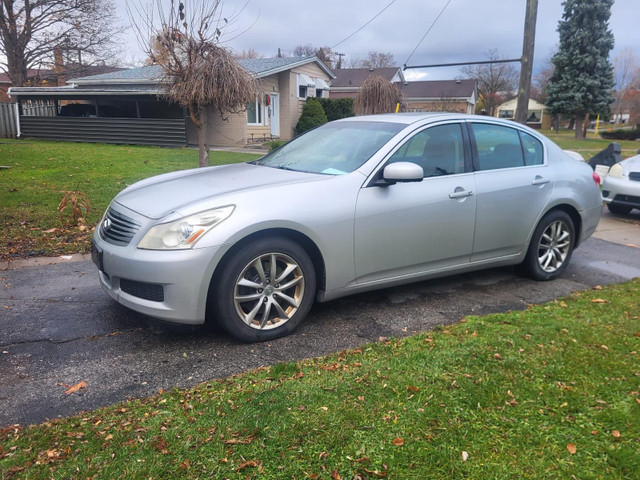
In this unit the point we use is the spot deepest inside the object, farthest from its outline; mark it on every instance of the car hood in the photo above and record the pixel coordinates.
(631, 164)
(157, 197)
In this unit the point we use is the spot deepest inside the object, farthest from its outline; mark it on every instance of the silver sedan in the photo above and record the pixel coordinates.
(621, 186)
(355, 205)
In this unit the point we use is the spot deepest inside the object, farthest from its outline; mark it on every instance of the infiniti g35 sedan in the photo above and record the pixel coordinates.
(357, 204)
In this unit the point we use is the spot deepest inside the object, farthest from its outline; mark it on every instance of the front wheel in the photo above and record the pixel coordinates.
(551, 246)
(265, 290)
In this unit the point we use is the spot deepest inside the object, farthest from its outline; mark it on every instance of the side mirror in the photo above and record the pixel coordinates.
(402, 172)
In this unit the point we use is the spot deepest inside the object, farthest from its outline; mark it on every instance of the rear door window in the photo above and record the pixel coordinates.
(498, 146)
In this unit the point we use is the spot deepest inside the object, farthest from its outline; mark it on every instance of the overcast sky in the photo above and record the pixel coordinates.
(466, 31)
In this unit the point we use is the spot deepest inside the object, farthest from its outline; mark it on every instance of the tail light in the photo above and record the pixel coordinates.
(596, 179)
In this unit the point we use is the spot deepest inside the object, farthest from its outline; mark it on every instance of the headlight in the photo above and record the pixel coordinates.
(616, 171)
(184, 233)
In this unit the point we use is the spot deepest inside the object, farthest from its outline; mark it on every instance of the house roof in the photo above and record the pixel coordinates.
(152, 74)
(439, 89)
(355, 77)
(72, 69)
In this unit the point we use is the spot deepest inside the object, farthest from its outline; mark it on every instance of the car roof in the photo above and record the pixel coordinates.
(409, 118)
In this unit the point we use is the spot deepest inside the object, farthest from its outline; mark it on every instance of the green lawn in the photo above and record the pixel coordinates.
(548, 392)
(41, 171)
(589, 146)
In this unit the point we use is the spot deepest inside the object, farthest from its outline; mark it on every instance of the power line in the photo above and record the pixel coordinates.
(427, 32)
(372, 19)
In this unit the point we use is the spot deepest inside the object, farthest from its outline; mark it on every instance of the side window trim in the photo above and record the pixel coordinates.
(474, 146)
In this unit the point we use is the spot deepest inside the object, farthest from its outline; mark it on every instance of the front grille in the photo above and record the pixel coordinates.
(146, 291)
(118, 229)
(634, 176)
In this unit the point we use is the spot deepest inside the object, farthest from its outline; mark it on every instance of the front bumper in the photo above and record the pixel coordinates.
(621, 191)
(171, 285)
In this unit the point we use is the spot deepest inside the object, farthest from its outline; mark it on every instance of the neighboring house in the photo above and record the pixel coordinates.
(124, 107)
(537, 115)
(440, 96)
(52, 77)
(348, 81)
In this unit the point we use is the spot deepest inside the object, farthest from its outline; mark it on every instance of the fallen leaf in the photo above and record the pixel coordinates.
(598, 300)
(398, 442)
(186, 465)
(616, 434)
(51, 230)
(571, 448)
(412, 388)
(335, 475)
(465, 456)
(76, 387)
(497, 356)
(299, 375)
(248, 463)
(604, 347)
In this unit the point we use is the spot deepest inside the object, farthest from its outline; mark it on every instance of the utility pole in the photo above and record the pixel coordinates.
(526, 66)
(339, 55)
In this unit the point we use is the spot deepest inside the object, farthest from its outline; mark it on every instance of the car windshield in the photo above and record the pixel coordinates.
(332, 149)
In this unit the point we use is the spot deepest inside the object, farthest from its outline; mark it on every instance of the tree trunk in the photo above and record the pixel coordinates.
(586, 124)
(578, 122)
(572, 123)
(203, 137)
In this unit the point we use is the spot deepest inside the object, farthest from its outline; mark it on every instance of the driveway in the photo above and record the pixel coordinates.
(57, 328)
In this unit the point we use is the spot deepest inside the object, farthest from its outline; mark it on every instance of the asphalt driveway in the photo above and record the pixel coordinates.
(57, 328)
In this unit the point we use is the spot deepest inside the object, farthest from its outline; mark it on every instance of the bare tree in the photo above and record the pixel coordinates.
(199, 73)
(540, 83)
(248, 55)
(377, 95)
(496, 81)
(30, 31)
(626, 71)
(307, 50)
(378, 60)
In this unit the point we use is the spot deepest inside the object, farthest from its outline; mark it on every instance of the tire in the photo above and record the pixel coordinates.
(252, 305)
(551, 246)
(618, 209)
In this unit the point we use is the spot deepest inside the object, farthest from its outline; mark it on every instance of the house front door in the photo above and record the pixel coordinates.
(275, 115)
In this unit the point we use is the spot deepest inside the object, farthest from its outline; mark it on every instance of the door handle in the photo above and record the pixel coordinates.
(539, 180)
(460, 194)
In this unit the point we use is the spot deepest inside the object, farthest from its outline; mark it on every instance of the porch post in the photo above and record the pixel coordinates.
(17, 111)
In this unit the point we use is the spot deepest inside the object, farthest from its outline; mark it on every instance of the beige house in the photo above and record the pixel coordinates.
(537, 115)
(124, 106)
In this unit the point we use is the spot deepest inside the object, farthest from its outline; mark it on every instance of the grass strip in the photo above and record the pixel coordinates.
(41, 172)
(548, 392)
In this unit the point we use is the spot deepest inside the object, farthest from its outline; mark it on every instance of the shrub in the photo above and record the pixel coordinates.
(622, 134)
(337, 108)
(312, 116)
(275, 144)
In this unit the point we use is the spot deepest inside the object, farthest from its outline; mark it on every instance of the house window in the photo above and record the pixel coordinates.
(304, 82)
(505, 113)
(319, 93)
(534, 116)
(254, 111)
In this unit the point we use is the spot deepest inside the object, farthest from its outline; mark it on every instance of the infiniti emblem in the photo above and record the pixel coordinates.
(106, 225)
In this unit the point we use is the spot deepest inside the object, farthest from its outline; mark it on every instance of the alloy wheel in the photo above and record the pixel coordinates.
(554, 246)
(269, 291)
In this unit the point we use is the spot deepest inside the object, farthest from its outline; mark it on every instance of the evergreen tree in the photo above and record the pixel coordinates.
(582, 81)
(312, 116)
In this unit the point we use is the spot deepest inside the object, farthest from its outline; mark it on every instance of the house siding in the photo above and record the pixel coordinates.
(266, 85)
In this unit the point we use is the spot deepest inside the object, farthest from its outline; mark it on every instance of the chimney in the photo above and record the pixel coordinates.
(58, 65)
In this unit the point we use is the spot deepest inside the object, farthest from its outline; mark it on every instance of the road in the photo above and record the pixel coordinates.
(57, 328)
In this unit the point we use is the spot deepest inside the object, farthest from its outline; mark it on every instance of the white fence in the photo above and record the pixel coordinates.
(8, 126)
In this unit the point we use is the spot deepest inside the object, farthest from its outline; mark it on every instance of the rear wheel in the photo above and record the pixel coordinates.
(619, 209)
(265, 290)
(551, 246)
